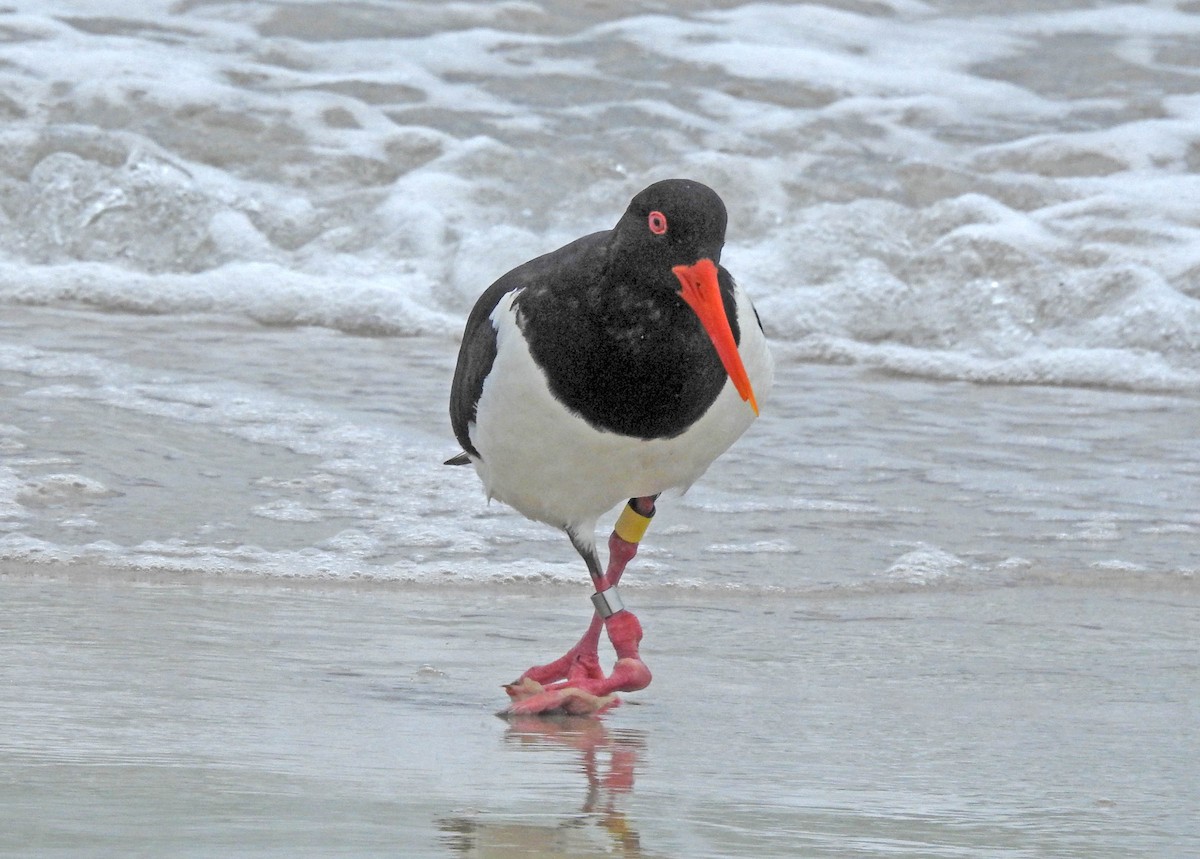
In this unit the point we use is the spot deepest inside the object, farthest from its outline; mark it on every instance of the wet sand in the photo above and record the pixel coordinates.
(266, 718)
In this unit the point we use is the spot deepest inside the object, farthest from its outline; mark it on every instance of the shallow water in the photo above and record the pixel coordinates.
(264, 720)
(314, 453)
(247, 609)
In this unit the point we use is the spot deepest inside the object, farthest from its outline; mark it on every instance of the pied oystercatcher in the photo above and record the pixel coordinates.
(616, 367)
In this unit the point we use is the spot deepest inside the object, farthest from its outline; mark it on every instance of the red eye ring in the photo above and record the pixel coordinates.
(657, 222)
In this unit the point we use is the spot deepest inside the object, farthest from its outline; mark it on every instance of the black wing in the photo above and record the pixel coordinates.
(475, 358)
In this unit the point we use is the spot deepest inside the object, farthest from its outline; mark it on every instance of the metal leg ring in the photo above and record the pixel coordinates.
(607, 602)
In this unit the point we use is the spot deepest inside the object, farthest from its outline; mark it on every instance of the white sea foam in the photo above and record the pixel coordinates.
(924, 565)
(930, 190)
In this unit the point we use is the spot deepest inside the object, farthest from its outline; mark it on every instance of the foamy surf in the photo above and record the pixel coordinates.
(929, 191)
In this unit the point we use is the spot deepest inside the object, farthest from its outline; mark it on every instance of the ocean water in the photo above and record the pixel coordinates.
(238, 241)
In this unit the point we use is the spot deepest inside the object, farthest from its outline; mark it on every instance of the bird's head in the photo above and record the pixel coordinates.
(673, 222)
(671, 236)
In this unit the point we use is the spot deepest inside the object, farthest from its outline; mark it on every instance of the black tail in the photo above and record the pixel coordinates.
(461, 459)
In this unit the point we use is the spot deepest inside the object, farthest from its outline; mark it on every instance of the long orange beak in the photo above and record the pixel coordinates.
(699, 288)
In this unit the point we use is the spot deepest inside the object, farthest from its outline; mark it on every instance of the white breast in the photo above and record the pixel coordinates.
(554, 467)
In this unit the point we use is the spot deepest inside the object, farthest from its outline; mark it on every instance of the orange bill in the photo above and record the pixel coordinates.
(699, 288)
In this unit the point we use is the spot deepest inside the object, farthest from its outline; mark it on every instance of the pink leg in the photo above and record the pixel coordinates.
(580, 662)
(575, 683)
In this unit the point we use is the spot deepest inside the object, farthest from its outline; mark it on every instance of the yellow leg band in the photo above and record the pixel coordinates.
(631, 525)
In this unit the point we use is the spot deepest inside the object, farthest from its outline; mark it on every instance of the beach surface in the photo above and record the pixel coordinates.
(268, 719)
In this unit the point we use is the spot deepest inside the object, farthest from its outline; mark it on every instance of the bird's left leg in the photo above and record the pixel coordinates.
(575, 683)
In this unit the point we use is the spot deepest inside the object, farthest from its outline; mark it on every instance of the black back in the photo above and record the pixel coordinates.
(603, 319)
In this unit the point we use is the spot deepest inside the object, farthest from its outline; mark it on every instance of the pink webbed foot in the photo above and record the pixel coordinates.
(531, 698)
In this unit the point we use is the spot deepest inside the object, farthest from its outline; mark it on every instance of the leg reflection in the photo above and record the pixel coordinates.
(608, 762)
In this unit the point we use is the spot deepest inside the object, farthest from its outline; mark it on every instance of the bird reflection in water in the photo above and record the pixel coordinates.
(608, 761)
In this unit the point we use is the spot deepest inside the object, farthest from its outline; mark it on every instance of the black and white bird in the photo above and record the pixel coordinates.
(616, 367)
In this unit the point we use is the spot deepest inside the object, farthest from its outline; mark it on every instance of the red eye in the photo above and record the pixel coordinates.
(657, 222)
